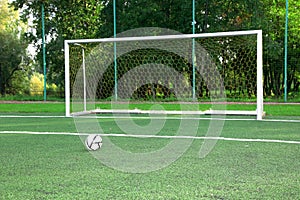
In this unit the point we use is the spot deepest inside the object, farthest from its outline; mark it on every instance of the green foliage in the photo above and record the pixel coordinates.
(9, 19)
(274, 29)
(37, 85)
(19, 83)
(94, 19)
(211, 16)
(175, 15)
(63, 20)
(12, 52)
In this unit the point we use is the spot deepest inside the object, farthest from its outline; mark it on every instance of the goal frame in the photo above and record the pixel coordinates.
(259, 112)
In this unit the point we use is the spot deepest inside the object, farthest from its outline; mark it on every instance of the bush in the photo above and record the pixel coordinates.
(37, 85)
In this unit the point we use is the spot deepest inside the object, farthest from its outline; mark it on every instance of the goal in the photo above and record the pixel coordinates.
(161, 67)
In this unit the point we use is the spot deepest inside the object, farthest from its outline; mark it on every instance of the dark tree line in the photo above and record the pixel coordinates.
(94, 19)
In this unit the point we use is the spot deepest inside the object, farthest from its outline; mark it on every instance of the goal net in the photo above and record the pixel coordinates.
(114, 75)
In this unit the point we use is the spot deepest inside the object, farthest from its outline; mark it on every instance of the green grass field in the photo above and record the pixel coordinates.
(45, 166)
(58, 108)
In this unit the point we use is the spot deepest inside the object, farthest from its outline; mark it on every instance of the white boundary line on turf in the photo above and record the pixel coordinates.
(31, 116)
(281, 120)
(155, 136)
(190, 118)
(166, 117)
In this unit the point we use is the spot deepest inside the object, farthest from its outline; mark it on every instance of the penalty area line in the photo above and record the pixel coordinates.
(156, 136)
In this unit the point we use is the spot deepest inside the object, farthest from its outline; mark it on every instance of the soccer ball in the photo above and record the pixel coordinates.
(93, 142)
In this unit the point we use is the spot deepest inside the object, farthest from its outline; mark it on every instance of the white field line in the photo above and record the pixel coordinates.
(155, 136)
(190, 118)
(158, 117)
(30, 116)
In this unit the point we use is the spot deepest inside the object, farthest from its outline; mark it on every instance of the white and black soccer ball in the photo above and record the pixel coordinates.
(93, 142)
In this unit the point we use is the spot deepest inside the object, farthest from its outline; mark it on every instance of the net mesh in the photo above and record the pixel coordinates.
(222, 68)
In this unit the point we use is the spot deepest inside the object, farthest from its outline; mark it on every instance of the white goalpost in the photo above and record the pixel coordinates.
(153, 68)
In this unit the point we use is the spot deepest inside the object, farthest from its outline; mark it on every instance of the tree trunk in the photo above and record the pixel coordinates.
(2, 82)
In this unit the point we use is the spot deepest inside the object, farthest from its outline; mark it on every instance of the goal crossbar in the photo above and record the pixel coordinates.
(165, 37)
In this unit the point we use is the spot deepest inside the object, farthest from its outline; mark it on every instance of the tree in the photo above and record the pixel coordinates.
(274, 30)
(12, 49)
(94, 19)
(63, 20)
(211, 16)
(131, 14)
